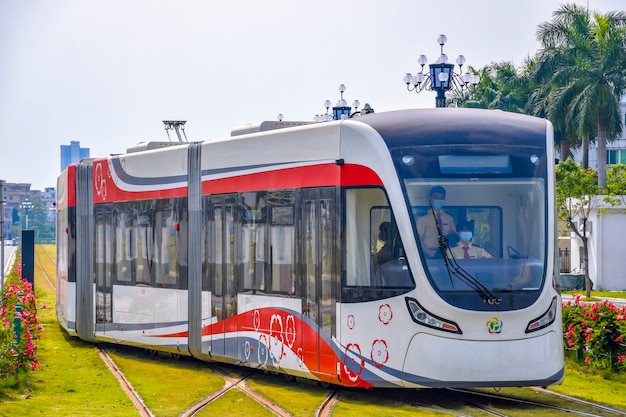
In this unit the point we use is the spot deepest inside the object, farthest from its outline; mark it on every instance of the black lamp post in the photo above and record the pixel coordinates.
(341, 110)
(441, 76)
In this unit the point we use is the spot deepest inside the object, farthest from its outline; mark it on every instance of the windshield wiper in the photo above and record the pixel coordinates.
(453, 267)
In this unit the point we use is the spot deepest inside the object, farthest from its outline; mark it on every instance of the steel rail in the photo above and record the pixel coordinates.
(327, 406)
(136, 399)
(581, 401)
(534, 403)
(53, 286)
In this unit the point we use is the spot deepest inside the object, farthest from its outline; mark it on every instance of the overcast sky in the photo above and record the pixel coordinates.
(107, 73)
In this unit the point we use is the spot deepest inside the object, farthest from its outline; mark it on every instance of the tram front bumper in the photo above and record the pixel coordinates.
(446, 362)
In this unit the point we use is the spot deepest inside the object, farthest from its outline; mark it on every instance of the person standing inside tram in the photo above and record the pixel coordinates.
(436, 222)
(465, 249)
(386, 234)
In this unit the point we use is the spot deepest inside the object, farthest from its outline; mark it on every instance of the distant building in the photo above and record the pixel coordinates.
(72, 153)
(14, 194)
(49, 197)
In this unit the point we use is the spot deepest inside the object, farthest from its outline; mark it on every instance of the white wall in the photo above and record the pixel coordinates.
(607, 248)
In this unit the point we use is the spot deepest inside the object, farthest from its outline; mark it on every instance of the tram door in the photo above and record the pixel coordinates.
(103, 263)
(319, 262)
(222, 280)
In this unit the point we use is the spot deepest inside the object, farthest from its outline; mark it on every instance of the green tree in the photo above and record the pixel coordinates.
(577, 194)
(583, 59)
(616, 184)
(539, 104)
(500, 86)
(38, 220)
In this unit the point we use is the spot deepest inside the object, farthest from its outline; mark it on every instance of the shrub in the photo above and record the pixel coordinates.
(597, 331)
(16, 356)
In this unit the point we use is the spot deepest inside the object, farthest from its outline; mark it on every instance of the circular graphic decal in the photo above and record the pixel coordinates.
(384, 314)
(353, 362)
(379, 355)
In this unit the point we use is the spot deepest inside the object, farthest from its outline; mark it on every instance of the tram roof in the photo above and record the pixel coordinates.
(456, 126)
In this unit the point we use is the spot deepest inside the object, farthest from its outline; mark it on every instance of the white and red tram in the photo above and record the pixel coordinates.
(258, 249)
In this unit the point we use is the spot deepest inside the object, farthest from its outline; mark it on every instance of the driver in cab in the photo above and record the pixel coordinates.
(465, 249)
(435, 223)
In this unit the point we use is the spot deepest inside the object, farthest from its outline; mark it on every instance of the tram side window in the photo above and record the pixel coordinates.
(178, 248)
(103, 242)
(375, 263)
(209, 244)
(254, 247)
(164, 255)
(120, 243)
(145, 244)
(253, 240)
(282, 240)
(66, 244)
(142, 228)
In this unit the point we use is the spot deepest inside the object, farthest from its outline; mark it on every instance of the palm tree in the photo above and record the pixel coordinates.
(498, 88)
(546, 101)
(584, 61)
(540, 104)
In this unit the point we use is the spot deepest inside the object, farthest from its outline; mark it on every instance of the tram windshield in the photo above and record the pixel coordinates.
(481, 224)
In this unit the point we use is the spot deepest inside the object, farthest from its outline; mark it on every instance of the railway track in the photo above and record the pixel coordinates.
(493, 404)
(44, 250)
(327, 406)
(484, 403)
(235, 383)
(579, 401)
(137, 401)
(43, 270)
(142, 408)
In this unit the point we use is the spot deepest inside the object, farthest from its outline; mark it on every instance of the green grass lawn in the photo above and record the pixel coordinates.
(599, 294)
(73, 381)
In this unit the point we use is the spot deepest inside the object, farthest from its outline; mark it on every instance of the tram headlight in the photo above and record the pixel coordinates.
(422, 316)
(544, 320)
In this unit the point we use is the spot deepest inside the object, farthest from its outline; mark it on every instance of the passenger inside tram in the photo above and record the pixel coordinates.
(389, 268)
(386, 234)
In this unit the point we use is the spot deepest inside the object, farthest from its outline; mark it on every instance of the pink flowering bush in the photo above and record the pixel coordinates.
(14, 356)
(597, 331)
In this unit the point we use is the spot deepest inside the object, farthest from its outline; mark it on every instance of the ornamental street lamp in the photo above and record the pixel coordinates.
(441, 76)
(27, 205)
(341, 110)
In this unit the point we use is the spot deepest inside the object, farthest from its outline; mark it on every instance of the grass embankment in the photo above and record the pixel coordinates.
(599, 295)
(73, 381)
(602, 386)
